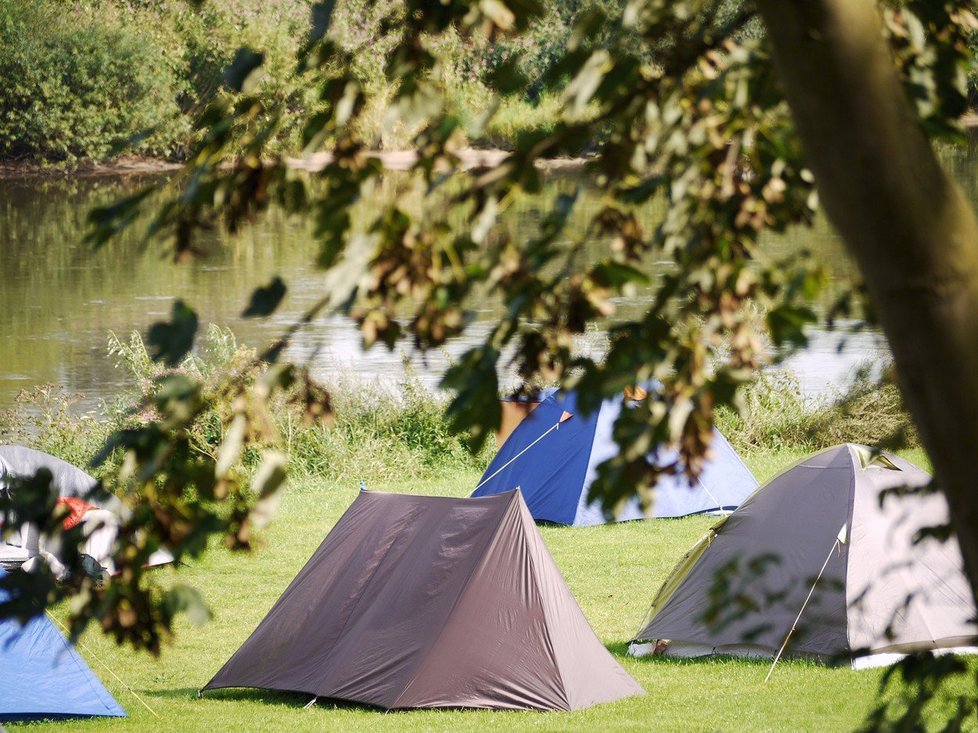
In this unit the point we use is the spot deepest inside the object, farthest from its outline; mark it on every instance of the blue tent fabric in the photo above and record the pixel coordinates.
(43, 676)
(554, 463)
(545, 472)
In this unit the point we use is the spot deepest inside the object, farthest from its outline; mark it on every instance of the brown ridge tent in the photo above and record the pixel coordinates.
(820, 528)
(419, 601)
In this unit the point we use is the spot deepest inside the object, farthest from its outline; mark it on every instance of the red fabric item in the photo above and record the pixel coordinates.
(77, 507)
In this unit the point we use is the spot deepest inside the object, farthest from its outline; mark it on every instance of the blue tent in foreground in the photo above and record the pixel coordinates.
(42, 676)
(554, 453)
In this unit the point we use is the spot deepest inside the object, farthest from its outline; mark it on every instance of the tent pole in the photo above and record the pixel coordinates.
(544, 435)
(310, 703)
(839, 540)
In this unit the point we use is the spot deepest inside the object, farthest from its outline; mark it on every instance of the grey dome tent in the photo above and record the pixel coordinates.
(431, 602)
(23, 543)
(820, 548)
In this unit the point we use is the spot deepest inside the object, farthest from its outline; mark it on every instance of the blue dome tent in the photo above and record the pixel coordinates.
(553, 455)
(43, 676)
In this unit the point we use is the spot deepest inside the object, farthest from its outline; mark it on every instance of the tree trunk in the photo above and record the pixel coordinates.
(909, 226)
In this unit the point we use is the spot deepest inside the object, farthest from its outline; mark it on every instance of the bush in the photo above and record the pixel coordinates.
(46, 418)
(95, 78)
(379, 432)
(78, 83)
(775, 415)
(79, 80)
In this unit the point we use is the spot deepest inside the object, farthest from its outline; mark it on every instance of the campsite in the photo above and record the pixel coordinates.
(613, 571)
(488, 365)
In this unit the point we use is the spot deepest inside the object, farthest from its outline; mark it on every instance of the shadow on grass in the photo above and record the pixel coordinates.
(294, 700)
(620, 651)
(299, 700)
(270, 697)
(706, 660)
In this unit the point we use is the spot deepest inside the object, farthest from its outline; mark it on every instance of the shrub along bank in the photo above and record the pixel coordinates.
(92, 79)
(96, 78)
(387, 432)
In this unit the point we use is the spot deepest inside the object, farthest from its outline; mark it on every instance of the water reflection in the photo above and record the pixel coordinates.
(59, 300)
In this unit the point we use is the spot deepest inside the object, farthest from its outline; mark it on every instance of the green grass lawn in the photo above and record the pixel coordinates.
(612, 570)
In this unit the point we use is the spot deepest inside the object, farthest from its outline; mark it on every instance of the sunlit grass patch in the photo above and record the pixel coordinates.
(613, 571)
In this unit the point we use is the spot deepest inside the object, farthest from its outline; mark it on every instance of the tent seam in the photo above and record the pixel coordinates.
(583, 500)
(850, 524)
(546, 626)
(356, 605)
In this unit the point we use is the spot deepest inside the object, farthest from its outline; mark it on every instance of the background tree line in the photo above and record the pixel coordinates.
(96, 79)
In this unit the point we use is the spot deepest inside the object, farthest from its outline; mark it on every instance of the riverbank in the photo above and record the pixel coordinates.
(469, 157)
(397, 440)
(104, 77)
(94, 79)
(382, 431)
(395, 160)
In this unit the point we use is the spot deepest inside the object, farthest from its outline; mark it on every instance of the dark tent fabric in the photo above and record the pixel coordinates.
(553, 455)
(880, 593)
(42, 676)
(419, 601)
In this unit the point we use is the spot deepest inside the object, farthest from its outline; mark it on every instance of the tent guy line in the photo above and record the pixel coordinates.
(469, 575)
(563, 418)
(911, 596)
(839, 541)
(107, 667)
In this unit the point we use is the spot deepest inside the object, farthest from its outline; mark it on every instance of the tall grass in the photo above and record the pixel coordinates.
(379, 432)
(613, 572)
(383, 431)
(47, 417)
(774, 415)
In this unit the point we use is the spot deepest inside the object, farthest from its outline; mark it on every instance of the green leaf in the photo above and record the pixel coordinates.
(322, 16)
(616, 274)
(267, 484)
(184, 599)
(266, 299)
(172, 341)
(230, 450)
(270, 476)
(107, 221)
(177, 387)
(238, 75)
(587, 81)
(476, 404)
(498, 12)
(787, 324)
(507, 77)
(278, 376)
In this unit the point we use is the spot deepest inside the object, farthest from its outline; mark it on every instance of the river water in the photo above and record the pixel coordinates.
(59, 299)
